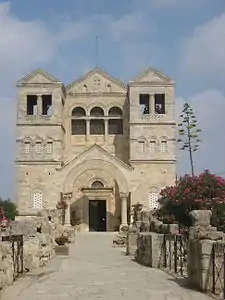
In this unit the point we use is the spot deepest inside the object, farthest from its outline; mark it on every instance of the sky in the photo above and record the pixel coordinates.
(183, 38)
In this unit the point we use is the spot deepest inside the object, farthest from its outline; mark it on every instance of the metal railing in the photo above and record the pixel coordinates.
(218, 270)
(17, 253)
(174, 253)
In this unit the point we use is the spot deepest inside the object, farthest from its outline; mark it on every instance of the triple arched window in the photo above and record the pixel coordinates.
(97, 122)
(37, 147)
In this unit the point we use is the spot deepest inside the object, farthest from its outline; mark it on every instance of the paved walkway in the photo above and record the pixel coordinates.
(96, 270)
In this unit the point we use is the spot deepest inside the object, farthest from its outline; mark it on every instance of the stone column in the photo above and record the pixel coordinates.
(106, 130)
(152, 103)
(123, 197)
(39, 104)
(87, 130)
(67, 198)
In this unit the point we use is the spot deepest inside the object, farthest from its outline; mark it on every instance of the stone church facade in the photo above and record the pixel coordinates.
(97, 143)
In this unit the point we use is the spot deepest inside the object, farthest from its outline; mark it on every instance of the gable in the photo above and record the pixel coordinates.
(38, 77)
(152, 76)
(96, 81)
(95, 152)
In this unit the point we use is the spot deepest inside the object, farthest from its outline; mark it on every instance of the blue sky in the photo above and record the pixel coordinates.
(183, 38)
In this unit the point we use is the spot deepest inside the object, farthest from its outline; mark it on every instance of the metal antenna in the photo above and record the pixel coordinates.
(96, 50)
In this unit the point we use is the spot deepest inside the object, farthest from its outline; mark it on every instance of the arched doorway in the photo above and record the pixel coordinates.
(96, 204)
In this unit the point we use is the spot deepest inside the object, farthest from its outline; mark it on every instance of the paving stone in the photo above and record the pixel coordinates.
(96, 270)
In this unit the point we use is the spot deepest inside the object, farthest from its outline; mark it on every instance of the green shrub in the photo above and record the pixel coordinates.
(205, 191)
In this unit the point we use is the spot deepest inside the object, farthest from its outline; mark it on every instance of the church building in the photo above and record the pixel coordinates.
(98, 144)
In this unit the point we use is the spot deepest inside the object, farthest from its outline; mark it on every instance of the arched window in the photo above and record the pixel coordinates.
(152, 146)
(163, 146)
(115, 111)
(38, 147)
(27, 147)
(108, 88)
(97, 127)
(97, 111)
(78, 112)
(97, 185)
(37, 199)
(141, 145)
(49, 147)
(85, 88)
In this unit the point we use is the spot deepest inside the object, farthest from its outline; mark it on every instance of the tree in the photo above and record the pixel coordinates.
(9, 209)
(189, 133)
(205, 191)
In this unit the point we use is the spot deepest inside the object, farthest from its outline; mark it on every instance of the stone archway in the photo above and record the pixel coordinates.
(114, 191)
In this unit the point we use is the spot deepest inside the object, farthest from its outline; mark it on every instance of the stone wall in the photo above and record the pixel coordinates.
(202, 260)
(152, 243)
(6, 265)
(38, 246)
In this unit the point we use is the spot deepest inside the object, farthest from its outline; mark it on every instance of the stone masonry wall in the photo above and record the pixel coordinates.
(203, 259)
(38, 249)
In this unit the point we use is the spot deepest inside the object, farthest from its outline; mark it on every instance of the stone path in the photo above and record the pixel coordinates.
(96, 270)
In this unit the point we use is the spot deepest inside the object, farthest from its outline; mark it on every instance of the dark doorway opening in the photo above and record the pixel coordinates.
(97, 215)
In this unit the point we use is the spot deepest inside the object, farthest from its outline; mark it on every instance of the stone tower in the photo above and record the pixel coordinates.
(152, 132)
(40, 136)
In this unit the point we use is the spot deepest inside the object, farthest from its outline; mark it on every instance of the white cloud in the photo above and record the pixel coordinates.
(209, 107)
(166, 4)
(23, 46)
(134, 25)
(203, 52)
(22, 43)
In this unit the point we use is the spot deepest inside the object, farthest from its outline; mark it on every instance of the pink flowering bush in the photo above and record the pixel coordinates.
(205, 191)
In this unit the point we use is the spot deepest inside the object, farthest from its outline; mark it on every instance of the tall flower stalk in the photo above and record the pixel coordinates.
(189, 133)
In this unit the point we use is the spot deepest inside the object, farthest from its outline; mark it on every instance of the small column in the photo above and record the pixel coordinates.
(106, 130)
(39, 104)
(152, 103)
(87, 130)
(123, 197)
(67, 198)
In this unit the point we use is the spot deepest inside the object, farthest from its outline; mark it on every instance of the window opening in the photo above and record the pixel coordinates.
(116, 126)
(144, 103)
(46, 105)
(78, 127)
(97, 184)
(160, 104)
(97, 127)
(32, 109)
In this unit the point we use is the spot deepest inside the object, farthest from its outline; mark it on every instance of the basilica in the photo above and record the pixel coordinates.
(98, 143)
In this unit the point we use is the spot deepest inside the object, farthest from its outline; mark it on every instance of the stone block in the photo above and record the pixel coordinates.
(149, 249)
(132, 244)
(173, 228)
(205, 247)
(62, 250)
(200, 217)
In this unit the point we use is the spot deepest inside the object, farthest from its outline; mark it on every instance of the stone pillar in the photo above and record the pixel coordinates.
(106, 130)
(39, 104)
(152, 103)
(123, 197)
(202, 236)
(87, 130)
(67, 198)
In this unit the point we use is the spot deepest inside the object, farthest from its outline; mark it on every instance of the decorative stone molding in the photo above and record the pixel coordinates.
(152, 116)
(66, 196)
(124, 195)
